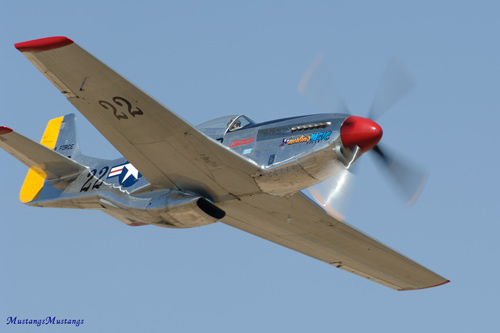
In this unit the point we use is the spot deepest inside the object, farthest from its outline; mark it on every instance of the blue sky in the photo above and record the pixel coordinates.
(207, 59)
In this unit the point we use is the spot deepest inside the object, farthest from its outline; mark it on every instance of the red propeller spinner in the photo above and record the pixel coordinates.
(361, 132)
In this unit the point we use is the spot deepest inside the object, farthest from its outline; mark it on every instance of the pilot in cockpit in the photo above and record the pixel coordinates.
(236, 125)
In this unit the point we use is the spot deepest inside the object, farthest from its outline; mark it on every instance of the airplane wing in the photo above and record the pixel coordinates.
(298, 223)
(168, 151)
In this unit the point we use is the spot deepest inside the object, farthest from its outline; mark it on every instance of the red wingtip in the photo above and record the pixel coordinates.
(43, 44)
(137, 224)
(4, 130)
(437, 285)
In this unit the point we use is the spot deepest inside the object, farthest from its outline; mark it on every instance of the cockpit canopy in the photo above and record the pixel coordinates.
(220, 126)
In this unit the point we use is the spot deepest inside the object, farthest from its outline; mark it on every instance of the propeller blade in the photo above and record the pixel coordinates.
(333, 193)
(318, 87)
(396, 82)
(408, 178)
(360, 134)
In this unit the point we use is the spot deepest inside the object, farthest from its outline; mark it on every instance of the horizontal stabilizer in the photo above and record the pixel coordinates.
(43, 160)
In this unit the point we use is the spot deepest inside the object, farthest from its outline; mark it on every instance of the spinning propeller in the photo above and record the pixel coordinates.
(362, 134)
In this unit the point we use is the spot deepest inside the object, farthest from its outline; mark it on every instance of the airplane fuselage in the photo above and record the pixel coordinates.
(292, 154)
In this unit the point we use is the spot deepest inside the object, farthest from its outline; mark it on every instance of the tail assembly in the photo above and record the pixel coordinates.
(65, 136)
(59, 176)
(49, 160)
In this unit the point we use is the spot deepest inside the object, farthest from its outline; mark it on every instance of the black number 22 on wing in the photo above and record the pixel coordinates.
(119, 106)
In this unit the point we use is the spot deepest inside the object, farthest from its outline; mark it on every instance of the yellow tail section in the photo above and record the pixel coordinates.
(35, 178)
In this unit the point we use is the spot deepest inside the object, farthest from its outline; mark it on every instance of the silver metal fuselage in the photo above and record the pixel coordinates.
(292, 154)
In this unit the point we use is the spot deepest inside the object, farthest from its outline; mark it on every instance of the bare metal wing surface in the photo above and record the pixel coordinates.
(298, 223)
(172, 154)
(167, 150)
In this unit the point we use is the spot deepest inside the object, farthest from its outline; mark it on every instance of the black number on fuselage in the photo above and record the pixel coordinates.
(99, 181)
(87, 184)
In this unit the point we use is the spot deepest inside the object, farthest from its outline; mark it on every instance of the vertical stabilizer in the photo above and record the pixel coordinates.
(67, 139)
(60, 136)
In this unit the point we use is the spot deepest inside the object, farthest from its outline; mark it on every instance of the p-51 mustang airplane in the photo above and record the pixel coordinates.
(247, 175)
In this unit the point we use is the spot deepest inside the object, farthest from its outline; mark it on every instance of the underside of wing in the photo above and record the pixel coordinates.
(167, 150)
(299, 224)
